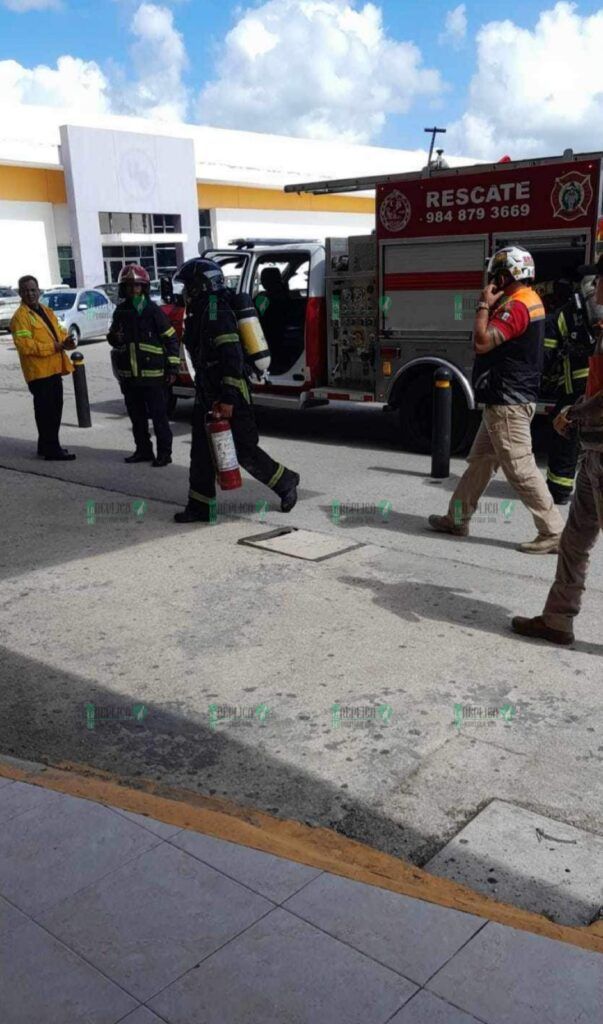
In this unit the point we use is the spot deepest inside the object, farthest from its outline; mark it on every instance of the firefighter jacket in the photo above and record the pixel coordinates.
(212, 339)
(567, 347)
(35, 342)
(145, 344)
(510, 374)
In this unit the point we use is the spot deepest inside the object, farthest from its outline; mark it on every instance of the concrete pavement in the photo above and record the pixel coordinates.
(129, 611)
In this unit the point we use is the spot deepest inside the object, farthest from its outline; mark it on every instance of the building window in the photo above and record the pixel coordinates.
(205, 222)
(157, 260)
(138, 223)
(66, 265)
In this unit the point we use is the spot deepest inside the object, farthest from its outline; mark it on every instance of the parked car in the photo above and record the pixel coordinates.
(111, 290)
(9, 303)
(84, 312)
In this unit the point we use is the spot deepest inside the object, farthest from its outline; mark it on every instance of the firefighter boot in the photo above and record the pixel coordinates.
(195, 515)
(140, 457)
(289, 497)
(537, 629)
(442, 524)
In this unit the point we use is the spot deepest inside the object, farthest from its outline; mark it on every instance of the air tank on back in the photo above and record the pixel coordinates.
(252, 337)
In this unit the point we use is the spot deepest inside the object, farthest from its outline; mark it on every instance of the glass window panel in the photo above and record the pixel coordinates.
(104, 220)
(205, 222)
(113, 251)
(120, 222)
(137, 221)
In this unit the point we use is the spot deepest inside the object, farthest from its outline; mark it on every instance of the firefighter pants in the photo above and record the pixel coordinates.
(563, 456)
(145, 402)
(251, 457)
(504, 440)
(48, 409)
(577, 540)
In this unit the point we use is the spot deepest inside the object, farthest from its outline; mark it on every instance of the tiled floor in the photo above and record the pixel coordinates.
(102, 911)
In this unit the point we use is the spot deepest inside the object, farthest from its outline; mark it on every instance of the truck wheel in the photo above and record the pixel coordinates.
(415, 413)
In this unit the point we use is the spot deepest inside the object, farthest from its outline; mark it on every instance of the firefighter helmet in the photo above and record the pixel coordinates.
(200, 275)
(513, 260)
(133, 273)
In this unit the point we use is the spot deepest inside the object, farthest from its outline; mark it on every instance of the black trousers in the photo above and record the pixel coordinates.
(258, 463)
(144, 402)
(563, 455)
(48, 409)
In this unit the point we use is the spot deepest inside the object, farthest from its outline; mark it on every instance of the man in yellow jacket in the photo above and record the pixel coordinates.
(42, 344)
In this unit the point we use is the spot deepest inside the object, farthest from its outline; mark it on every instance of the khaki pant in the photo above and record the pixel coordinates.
(579, 537)
(504, 440)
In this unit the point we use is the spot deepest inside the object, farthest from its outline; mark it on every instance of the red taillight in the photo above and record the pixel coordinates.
(316, 340)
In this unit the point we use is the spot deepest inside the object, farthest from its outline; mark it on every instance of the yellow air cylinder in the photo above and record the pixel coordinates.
(252, 336)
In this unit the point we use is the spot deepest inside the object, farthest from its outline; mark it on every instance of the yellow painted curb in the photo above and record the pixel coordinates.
(314, 847)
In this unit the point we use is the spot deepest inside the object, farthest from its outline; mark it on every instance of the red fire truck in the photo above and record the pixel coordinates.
(369, 318)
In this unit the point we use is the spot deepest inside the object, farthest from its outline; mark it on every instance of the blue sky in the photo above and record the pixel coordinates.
(323, 68)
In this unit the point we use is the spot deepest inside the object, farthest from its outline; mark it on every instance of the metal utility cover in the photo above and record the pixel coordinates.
(529, 861)
(312, 547)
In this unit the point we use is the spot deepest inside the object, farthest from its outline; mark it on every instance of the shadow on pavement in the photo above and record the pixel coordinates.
(413, 525)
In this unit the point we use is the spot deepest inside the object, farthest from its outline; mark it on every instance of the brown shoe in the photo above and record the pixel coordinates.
(541, 545)
(442, 524)
(537, 629)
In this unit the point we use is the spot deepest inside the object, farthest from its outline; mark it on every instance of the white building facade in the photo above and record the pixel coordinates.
(80, 199)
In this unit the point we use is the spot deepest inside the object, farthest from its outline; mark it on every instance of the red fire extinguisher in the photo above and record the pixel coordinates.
(224, 453)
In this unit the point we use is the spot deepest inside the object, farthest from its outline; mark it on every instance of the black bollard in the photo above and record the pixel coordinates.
(82, 403)
(442, 424)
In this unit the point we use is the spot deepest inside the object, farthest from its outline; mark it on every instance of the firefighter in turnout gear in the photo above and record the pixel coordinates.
(568, 344)
(146, 357)
(221, 390)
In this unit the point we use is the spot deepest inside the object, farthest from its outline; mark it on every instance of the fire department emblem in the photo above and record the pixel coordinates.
(571, 196)
(395, 211)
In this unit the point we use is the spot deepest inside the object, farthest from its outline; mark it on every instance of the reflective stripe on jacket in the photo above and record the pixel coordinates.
(146, 346)
(35, 344)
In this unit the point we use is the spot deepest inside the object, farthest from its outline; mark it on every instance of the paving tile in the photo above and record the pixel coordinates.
(147, 923)
(144, 1016)
(527, 860)
(425, 1008)
(42, 981)
(273, 877)
(408, 935)
(284, 970)
(159, 828)
(510, 977)
(46, 857)
(20, 797)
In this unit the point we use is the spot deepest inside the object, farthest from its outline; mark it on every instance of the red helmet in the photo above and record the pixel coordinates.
(135, 274)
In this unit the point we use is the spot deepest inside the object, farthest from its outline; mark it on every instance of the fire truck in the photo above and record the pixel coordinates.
(370, 318)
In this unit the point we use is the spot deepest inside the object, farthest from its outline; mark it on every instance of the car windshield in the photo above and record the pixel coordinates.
(58, 300)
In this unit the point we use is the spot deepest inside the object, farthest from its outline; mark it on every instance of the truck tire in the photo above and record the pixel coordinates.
(415, 415)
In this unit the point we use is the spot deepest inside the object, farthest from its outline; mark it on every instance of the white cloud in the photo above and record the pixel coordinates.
(317, 68)
(23, 6)
(74, 83)
(159, 61)
(155, 90)
(455, 27)
(536, 91)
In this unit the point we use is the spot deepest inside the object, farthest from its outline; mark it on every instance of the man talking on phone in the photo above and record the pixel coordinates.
(508, 339)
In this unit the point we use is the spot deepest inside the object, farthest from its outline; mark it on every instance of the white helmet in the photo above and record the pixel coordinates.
(515, 261)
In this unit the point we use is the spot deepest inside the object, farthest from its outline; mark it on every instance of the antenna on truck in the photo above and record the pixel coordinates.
(434, 132)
